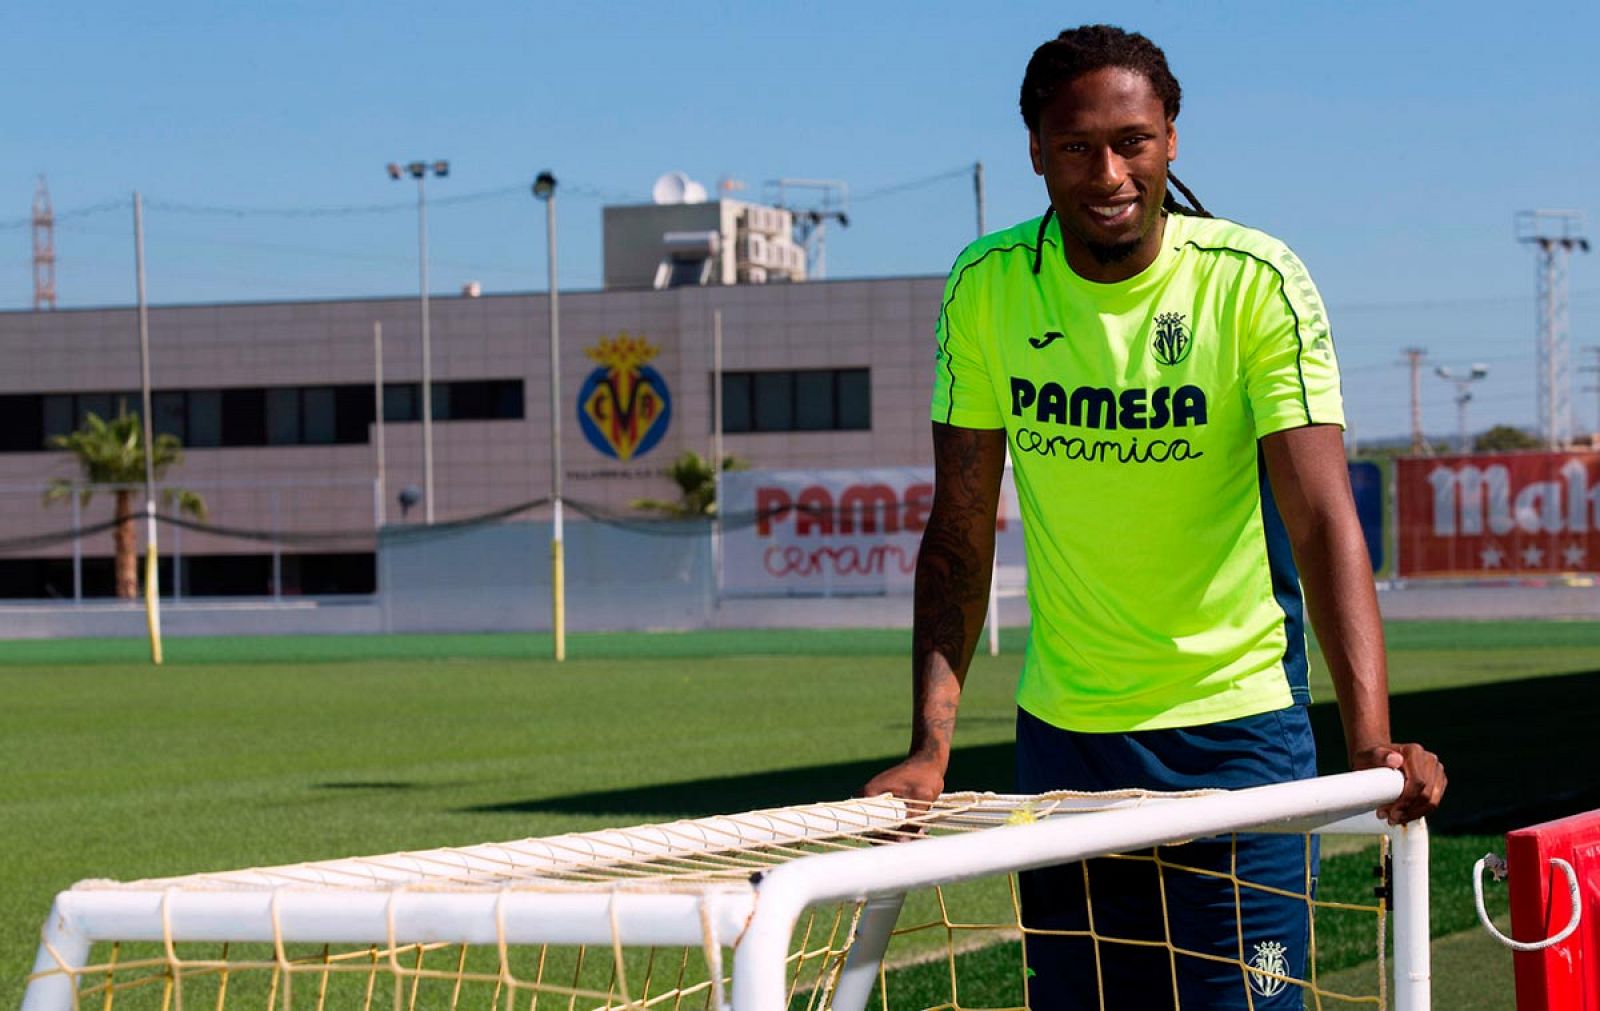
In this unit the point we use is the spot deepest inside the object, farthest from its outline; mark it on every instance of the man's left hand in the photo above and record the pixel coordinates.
(1425, 779)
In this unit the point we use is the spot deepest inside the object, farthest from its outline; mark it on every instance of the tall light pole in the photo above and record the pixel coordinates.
(419, 170)
(1463, 385)
(544, 188)
(380, 506)
(152, 587)
(717, 456)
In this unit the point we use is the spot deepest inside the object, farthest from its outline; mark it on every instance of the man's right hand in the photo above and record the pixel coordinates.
(916, 778)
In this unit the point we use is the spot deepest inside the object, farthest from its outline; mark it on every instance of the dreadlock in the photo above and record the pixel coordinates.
(1078, 51)
(1170, 204)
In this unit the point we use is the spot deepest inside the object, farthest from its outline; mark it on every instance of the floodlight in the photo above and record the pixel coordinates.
(544, 187)
(418, 170)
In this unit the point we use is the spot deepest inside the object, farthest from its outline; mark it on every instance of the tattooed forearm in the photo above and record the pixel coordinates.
(954, 566)
(949, 575)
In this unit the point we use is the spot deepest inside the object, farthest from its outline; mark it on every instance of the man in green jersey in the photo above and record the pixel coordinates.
(1167, 385)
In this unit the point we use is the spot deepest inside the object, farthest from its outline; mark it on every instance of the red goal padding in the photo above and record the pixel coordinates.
(1565, 976)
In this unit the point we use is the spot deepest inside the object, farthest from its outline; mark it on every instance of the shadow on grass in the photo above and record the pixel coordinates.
(985, 767)
(1517, 753)
(367, 784)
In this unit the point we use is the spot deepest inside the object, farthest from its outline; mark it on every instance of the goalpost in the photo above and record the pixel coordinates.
(806, 899)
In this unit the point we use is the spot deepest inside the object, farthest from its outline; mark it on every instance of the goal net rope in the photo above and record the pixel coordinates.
(860, 903)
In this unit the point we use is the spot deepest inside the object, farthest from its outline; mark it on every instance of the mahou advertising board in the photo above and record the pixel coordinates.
(839, 532)
(1499, 514)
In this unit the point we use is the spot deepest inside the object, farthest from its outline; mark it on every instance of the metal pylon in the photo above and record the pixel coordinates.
(1554, 235)
(44, 248)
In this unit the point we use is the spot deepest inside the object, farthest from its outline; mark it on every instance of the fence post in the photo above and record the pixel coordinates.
(177, 554)
(277, 550)
(77, 546)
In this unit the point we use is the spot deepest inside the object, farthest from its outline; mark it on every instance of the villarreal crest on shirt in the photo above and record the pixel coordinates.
(1160, 581)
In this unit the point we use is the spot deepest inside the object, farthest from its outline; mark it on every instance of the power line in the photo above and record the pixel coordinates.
(1593, 349)
(914, 184)
(354, 210)
(1385, 366)
(12, 224)
(391, 207)
(327, 211)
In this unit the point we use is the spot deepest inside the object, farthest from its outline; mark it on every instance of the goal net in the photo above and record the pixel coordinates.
(862, 903)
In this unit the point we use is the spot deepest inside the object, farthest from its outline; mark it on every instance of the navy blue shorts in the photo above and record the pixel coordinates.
(1070, 972)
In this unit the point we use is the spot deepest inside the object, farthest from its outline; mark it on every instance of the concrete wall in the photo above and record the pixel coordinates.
(497, 578)
(119, 619)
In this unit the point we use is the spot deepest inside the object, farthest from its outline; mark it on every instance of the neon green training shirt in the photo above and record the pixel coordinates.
(1161, 586)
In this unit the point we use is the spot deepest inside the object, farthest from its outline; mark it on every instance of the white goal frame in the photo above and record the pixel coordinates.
(387, 900)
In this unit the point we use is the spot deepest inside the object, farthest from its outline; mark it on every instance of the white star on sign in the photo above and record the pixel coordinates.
(1491, 556)
(1573, 555)
(1533, 556)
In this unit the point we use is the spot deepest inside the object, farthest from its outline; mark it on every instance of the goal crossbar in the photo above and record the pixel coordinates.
(736, 881)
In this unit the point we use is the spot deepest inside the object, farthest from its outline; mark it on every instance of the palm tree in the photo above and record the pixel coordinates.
(697, 484)
(112, 453)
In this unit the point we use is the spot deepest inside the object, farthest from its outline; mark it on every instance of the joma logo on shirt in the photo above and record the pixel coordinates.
(1100, 407)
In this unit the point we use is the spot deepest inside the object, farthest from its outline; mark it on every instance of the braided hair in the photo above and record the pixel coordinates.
(1078, 51)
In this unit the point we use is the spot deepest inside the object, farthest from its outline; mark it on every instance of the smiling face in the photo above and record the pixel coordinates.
(1102, 146)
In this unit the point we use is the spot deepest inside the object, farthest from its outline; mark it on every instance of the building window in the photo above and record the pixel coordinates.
(736, 401)
(204, 418)
(464, 400)
(773, 402)
(58, 415)
(283, 416)
(64, 413)
(352, 414)
(244, 417)
(317, 415)
(203, 576)
(170, 414)
(812, 400)
(485, 400)
(400, 401)
(258, 416)
(21, 423)
(102, 405)
(853, 399)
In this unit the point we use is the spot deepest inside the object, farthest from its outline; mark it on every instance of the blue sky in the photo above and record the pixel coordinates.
(1390, 145)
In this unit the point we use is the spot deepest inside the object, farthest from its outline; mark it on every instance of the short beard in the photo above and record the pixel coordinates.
(1106, 255)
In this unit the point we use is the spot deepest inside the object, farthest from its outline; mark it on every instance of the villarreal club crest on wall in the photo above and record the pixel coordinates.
(623, 406)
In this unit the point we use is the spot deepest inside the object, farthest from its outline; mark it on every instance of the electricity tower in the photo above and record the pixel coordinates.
(811, 223)
(1419, 442)
(1594, 349)
(44, 248)
(1554, 235)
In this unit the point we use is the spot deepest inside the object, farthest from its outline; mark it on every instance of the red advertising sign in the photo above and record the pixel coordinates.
(839, 532)
(1499, 514)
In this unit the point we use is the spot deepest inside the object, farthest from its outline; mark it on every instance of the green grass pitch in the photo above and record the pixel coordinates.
(251, 751)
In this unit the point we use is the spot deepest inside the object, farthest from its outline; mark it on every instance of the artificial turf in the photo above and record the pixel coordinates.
(246, 751)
